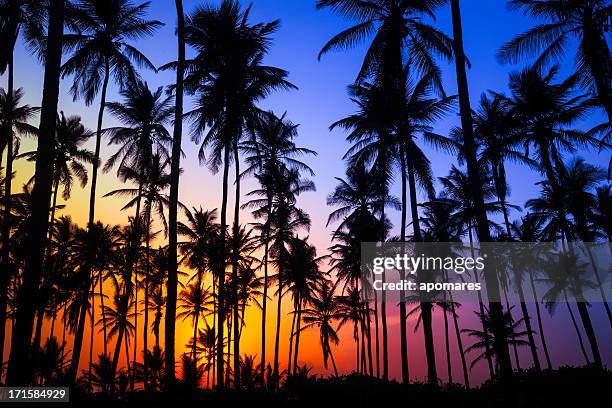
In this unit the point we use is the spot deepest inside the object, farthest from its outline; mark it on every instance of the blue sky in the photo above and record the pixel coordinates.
(321, 98)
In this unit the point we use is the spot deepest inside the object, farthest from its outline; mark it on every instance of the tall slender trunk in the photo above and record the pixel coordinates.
(278, 322)
(291, 337)
(402, 305)
(449, 367)
(383, 309)
(104, 334)
(571, 313)
(368, 326)
(78, 337)
(91, 338)
(376, 341)
(297, 334)
(527, 320)
(331, 355)
(466, 377)
(175, 170)
(264, 302)
(19, 368)
(235, 267)
(590, 332)
(540, 325)
(221, 270)
(145, 328)
(500, 342)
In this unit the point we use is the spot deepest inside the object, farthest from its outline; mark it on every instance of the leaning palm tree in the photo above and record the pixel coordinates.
(14, 121)
(228, 79)
(322, 311)
(586, 21)
(101, 51)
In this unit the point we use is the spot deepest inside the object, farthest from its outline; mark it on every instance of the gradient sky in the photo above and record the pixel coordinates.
(320, 100)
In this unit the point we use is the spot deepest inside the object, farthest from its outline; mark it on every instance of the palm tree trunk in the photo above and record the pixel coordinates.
(376, 343)
(599, 283)
(145, 328)
(291, 337)
(402, 305)
(235, 267)
(91, 338)
(527, 319)
(278, 324)
(297, 334)
(105, 336)
(221, 270)
(571, 313)
(175, 170)
(331, 355)
(466, 377)
(590, 332)
(540, 325)
(383, 298)
(500, 342)
(368, 327)
(264, 302)
(449, 367)
(19, 367)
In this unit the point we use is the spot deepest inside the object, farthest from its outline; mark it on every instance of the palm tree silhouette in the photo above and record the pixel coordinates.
(228, 79)
(193, 305)
(101, 51)
(484, 337)
(322, 311)
(545, 111)
(302, 276)
(587, 21)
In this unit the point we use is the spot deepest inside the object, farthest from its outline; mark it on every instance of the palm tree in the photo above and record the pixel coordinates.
(302, 279)
(18, 371)
(269, 150)
(545, 110)
(101, 51)
(69, 158)
(484, 340)
(322, 311)
(14, 119)
(352, 309)
(193, 305)
(119, 321)
(587, 21)
(228, 78)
